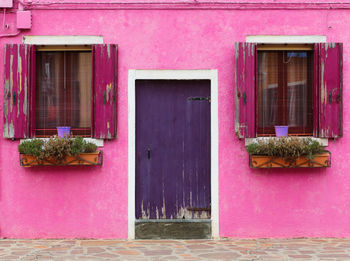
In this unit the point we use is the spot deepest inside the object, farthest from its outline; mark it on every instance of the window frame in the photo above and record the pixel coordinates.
(282, 88)
(47, 132)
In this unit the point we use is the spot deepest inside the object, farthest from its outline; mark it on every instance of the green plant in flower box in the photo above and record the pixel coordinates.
(288, 148)
(56, 148)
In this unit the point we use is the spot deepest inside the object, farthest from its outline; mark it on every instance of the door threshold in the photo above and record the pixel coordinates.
(173, 229)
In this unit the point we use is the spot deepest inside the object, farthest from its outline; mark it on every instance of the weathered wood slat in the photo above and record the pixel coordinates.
(245, 68)
(330, 92)
(16, 91)
(105, 91)
(316, 89)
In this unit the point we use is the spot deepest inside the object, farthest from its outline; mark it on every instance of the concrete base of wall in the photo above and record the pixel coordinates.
(173, 229)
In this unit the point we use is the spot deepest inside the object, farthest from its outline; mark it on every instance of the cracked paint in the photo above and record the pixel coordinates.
(108, 91)
(245, 87)
(105, 105)
(330, 88)
(16, 91)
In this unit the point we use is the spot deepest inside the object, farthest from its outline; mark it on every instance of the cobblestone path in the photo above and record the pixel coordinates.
(224, 249)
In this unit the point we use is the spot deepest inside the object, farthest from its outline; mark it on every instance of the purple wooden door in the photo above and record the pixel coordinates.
(172, 149)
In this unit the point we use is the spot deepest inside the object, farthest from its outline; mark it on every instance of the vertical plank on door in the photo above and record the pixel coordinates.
(172, 149)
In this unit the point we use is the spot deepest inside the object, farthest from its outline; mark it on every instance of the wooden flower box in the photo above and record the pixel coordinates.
(318, 161)
(94, 158)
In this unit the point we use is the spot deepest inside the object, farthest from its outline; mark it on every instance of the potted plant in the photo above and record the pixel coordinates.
(288, 152)
(59, 151)
(63, 131)
(281, 131)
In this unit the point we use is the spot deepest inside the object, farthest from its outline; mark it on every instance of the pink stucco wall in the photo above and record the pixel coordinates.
(92, 201)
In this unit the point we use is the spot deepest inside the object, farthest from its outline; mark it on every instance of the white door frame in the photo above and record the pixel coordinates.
(211, 75)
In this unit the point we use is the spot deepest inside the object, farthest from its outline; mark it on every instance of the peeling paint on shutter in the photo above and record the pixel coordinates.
(245, 57)
(105, 85)
(316, 89)
(32, 90)
(330, 91)
(16, 91)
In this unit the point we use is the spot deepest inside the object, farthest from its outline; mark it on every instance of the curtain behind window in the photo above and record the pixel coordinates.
(282, 89)
(63, 90)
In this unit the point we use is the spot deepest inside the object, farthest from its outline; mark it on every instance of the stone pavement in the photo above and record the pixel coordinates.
(224, 249)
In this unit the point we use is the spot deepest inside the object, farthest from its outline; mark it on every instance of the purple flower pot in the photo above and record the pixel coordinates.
(281, 131)
(63, 131)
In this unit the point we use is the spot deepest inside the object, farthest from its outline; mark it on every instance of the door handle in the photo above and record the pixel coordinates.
(148, 153)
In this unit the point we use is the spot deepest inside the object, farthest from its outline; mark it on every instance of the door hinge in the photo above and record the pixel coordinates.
(199, 99)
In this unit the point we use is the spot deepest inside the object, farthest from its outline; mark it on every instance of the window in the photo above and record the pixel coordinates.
(52, 86)
(295, 85)
(63, 92)
(284, 91)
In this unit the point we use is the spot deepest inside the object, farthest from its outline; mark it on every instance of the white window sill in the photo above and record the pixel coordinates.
(98, 142)
(322, 141)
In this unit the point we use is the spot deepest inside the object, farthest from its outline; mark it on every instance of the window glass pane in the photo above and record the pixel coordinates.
(297, 82)
(63, 90)
(284, 91)
(267, 88)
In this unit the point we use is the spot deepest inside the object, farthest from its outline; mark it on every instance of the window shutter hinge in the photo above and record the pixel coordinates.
(14, 98)
(338, 98)
(198, 99)
(244, 97)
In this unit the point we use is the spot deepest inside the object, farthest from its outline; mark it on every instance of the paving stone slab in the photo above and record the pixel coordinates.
(313, 249)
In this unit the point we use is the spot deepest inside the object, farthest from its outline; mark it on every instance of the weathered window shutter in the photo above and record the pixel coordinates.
(16, 91)
(316, 89)
(32, 89)
(105, 88)
(330, 90)
(245, 68)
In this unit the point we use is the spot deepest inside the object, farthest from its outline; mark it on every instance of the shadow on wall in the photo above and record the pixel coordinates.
(280, 172)
(64, 170)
